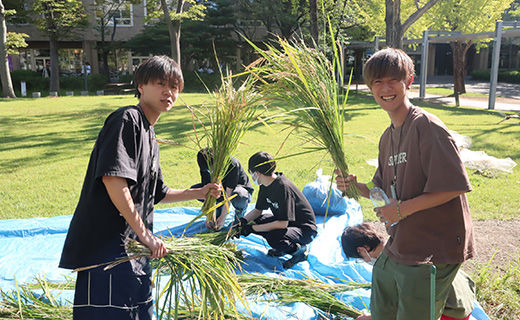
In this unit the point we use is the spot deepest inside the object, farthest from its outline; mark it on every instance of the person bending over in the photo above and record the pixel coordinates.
(235, 181)
(364, 242)
(292, 225)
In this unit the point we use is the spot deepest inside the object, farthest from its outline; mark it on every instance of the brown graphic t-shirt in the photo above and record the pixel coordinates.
(423, 157)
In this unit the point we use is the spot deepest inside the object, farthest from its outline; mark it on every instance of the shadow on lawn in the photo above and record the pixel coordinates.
(479, 131)
(67, 135)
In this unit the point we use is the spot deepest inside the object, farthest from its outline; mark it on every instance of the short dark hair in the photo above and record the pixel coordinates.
(389, 62)
(262, 162)
(158, 68)
(359, 236)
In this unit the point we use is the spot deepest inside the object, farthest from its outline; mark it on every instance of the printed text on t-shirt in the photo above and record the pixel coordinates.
(274, 204)
(397, 159)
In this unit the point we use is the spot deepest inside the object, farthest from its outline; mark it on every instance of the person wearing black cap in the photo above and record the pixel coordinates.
(292, 224)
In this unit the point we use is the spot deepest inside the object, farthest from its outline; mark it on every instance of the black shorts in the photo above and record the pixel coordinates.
(112, 295)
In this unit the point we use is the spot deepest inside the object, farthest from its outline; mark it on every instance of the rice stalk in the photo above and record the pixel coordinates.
(234, 112)
(312, 292)
(303, 81)
(201, 276)
(24, 303)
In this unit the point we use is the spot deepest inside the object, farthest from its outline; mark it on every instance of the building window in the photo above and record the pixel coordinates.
(117, 10)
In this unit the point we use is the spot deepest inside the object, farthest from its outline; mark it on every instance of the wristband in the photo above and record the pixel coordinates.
(398, 211)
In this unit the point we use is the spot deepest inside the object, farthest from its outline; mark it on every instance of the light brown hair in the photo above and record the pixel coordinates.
(389, 62)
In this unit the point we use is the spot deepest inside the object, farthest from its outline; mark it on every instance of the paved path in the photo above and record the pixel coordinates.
(508, 95)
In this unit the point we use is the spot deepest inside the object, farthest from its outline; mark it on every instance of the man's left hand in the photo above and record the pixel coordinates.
(388, 214)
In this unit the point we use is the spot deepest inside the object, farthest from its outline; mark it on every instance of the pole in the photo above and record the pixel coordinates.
(376, 44)
(424, 65)
(494, 65)
(433, 274)
(85, 76)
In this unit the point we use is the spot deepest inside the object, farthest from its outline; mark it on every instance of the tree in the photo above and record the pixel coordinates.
(5, 76)
(394, 29)
(107, 15)
(183, 9)
(58, 19)
(282, 17)
(198, 37)
(368, 13)
(313, 20)
(466, 17)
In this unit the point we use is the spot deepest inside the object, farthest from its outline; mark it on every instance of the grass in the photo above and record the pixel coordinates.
(448, 92)
(45, 145)
(499, 293)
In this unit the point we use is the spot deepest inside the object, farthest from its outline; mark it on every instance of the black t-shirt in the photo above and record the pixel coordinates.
(126, 148)
(287, 203)
(235, 175)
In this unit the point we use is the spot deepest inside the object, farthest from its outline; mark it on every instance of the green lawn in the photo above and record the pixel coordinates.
(45, 145)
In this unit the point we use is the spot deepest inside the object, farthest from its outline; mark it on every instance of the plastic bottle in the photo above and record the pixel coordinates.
(377, 195)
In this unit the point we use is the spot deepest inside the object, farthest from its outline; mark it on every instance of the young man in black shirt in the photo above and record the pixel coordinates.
(235, 181)
(121, 186)
(292, 225)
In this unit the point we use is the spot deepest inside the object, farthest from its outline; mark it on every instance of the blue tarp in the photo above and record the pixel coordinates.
(33, 246)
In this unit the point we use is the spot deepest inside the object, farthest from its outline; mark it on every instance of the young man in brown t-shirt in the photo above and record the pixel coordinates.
(428, 218)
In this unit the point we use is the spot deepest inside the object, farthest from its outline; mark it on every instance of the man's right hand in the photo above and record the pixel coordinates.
(156, 246)
(343, 183)
(364, 317)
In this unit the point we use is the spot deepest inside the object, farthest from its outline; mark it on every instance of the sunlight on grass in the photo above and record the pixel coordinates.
(46, 143)
(499, 292)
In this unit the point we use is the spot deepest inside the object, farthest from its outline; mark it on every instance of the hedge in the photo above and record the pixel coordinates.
(35, 81)
(510, 76)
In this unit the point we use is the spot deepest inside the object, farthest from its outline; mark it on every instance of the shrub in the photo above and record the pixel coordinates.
(33, 79)
(192, 82)
(126, 77)
(480, 74)
(509, 76)
(96, 82)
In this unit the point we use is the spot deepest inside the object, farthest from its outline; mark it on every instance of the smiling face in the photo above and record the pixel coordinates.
(390, 93)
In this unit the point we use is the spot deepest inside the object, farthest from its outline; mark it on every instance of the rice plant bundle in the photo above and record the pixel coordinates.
(25, 303)
(201, 274)
(312, 292)
(234, 112)
(303, 80)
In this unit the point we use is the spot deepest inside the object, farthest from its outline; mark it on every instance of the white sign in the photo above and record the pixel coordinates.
(23, 88)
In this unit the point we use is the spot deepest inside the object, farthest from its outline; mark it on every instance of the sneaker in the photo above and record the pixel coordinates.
(297, 256)
(274, 253)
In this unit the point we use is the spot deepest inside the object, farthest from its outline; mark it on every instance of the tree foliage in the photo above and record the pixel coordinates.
(58, 19)
(15, 41)
(197, 38)
(409, 11)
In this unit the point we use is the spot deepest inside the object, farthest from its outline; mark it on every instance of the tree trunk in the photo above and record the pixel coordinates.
(459, 50)
(103, 48)
(394, 29)
(177, 30)
(174, 30)
(313, 13)
(55, 68)
(394, 35)
(5, 76)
